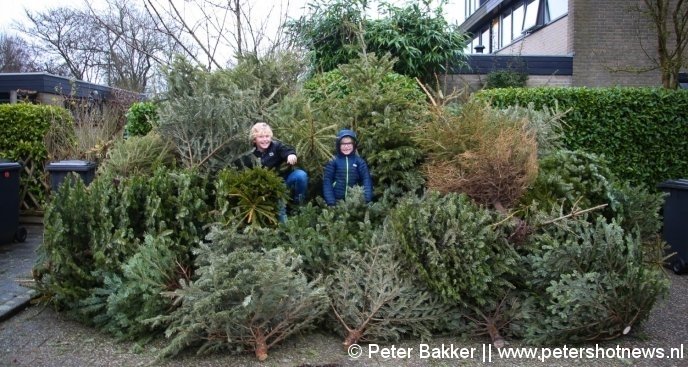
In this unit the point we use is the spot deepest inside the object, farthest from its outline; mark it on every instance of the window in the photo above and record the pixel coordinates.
(518, 21)
(471, 7)
(494, 33)
(500, 31)
(485, 41)
(506, 30)
(555, 9)
(531, 14)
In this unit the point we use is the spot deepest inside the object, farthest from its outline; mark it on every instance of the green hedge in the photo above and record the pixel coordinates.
(643, 132)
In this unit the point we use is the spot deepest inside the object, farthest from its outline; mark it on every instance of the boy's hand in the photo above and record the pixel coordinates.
(291, 159)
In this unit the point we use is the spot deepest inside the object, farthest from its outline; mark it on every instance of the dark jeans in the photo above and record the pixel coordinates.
(297, 182)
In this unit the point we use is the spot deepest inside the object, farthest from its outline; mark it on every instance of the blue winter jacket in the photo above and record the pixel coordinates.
(345, 171)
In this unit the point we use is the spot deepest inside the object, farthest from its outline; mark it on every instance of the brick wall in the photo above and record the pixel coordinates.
(610, 42)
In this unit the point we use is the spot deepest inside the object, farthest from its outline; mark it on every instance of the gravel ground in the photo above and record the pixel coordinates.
(41, 337)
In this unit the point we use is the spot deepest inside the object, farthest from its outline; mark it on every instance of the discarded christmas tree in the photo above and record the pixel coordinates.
(589, 281)
(373, 300)
(242, 301)
(459, 249)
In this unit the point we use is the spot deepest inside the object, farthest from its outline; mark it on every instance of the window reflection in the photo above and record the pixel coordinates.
(518, 21)
(531, 14)
(506, 30)
(555, 9)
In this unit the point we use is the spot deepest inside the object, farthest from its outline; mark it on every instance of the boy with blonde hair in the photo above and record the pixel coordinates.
(273, 154)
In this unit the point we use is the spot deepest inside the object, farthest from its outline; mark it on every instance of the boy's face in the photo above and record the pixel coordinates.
(263, 141)
(346, 145)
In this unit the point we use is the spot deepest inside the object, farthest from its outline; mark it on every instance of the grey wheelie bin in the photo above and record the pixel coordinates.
(675, 230)
(9, 203)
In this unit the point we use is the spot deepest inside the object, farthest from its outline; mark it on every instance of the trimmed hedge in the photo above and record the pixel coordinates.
(642, 132)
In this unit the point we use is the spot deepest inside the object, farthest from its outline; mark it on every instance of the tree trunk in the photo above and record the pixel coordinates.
(261, 345)
(497, 339)
(352, 338)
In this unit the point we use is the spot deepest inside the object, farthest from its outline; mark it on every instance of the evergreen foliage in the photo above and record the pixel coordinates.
(65, 264)
(183, 78)
(141, 118)
(589, 281)
(91, 233)
(130, 252)
(577, 179)
(242, 301)
(138, 155)
(311, 129)
(330, 33)
(641, 131)
(35, 134)
(321, 234)
(455, 246)
(637, 210)
(506, 79)
(374, 301)
(422, 41)
(128, 298)
(460, 251)
(209, 131)
(547, 124)
(273, 76)
(250, 196)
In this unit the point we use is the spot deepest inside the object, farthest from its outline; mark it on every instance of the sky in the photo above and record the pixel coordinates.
(14, 9)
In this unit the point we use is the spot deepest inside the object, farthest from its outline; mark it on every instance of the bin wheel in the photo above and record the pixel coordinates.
(20, 235)
(679, 266)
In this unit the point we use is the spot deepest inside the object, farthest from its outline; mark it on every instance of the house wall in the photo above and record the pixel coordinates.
(610, 41)
(552, 39)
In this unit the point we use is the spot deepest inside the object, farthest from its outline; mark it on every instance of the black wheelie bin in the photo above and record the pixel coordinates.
(675, 230)
(59, 170)
(9, 203)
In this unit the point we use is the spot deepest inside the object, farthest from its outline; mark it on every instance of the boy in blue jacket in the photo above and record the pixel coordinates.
(346, 169)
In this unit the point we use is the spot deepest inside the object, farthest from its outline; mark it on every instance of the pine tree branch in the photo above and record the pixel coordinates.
(339, 317)
(574, 213)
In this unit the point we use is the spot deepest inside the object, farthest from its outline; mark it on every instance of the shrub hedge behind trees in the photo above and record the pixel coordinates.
(641, 131)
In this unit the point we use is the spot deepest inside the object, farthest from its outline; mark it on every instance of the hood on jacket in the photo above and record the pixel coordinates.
(343, 133)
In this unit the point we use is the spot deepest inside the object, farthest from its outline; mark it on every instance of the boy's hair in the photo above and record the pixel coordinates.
(260, 128)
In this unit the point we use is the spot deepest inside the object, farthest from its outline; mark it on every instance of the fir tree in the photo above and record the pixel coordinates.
(589, 281)
(373, 301)
(242, 300)
(459, 249)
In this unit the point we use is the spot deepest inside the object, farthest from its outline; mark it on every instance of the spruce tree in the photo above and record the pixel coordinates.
(373, 300)
(459, 249)
(589, 280)
(242, 301)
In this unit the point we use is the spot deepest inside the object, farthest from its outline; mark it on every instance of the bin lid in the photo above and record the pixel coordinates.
(9, 166)
(71, 165)
(681, 184)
